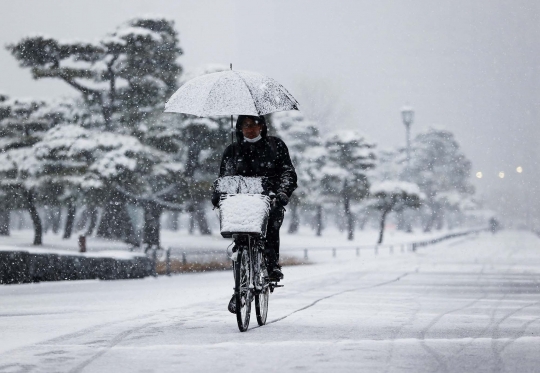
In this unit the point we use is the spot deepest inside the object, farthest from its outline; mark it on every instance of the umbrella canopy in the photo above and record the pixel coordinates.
(231, 93)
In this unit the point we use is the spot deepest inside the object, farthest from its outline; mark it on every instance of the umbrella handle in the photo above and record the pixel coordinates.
(232, 136)
(232, 131)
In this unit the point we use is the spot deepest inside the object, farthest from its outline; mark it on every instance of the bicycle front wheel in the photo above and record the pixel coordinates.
(242, 290)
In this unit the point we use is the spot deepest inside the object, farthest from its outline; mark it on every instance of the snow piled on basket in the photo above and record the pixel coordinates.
(239, 184)
(244, 213)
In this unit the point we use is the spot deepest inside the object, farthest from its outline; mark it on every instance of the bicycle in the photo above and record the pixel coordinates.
(248, 232)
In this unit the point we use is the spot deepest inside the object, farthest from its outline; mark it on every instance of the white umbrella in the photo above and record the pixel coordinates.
(231, 93)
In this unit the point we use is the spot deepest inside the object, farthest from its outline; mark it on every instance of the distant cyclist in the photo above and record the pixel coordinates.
(256, 154)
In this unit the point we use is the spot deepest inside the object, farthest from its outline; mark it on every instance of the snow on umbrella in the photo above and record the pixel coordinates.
(231, 93)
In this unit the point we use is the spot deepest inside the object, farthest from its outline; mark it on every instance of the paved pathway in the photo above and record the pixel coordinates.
(467, 305)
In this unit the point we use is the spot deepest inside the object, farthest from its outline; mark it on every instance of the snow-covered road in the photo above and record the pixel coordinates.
(467, 305)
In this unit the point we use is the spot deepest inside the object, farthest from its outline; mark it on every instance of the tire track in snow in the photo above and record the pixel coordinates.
(494, 325)
(499, 364)
(523, 328)
(396, 333)
(116, 340)
(123, 335)
(336, 294)
(89, 332)
(484, 295)
(440, 360)
(492, 318)
(332, 278)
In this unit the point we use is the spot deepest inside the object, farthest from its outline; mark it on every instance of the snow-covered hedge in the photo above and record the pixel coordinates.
(20, 266)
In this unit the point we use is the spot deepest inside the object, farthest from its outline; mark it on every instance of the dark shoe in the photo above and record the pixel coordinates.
(232, 304)
(275, 274)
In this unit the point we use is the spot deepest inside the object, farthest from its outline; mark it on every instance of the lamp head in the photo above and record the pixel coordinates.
(407, 113)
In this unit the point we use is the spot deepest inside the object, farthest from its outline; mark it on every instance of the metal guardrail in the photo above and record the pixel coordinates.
(403, 247)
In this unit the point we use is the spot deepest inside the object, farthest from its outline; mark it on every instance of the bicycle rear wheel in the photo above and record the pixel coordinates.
(261, 305)
(263, 293)
(242, 290)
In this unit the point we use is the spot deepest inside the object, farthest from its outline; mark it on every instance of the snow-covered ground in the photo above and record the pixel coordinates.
(466, 305)
(181, 241)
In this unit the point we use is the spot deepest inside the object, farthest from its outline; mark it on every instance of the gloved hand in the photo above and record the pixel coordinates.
(215, 199)
(282, 199)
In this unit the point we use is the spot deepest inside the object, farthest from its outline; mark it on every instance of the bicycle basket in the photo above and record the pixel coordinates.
(244, 213)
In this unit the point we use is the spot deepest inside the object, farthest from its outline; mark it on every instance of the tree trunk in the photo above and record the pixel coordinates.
(349, 216)
(318, 220)
(383, 220)
(192, 161)
(19, 219)
(409, 218)
(38, 229)
(115, 222)
(401, 220)
(362, 221)
(70, 219)
(200, 218)
(92, 211)
(47, 218)
(174, 220)
(451, 219)
(56, 218)
(82, 221)
(191, 213)
(431, 219)
(197, 215)
(4, 222)
(440, 219)
(295, 218)
(152, 224)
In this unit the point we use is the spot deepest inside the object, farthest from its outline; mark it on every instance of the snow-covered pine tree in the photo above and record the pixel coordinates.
(198, 144)
(439, 166)
(23, 123)
(125, 78)
(390, 196)
(350, 156)
(91, 164)
(304, 143)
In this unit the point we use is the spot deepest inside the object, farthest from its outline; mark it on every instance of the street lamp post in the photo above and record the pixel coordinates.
(407, 114)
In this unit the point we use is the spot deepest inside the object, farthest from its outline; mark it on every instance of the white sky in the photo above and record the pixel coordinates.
(471, 66)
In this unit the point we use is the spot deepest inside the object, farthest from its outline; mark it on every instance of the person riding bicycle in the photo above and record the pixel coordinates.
(257, 154)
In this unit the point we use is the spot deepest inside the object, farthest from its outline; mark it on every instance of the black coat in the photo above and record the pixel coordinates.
(267, 157)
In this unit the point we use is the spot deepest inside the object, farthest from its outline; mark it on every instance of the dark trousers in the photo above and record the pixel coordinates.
(271, 243)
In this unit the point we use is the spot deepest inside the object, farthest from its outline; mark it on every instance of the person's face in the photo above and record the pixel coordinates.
(250, 128)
